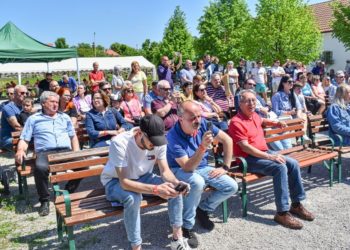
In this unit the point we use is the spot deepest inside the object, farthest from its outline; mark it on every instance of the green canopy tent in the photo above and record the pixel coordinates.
(16, 46)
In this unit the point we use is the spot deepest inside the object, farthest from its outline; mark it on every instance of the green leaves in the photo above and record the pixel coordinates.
(341, 23)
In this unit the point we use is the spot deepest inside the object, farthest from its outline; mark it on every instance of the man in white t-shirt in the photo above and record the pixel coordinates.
(128, 174)
(260, 77)
(277, 73)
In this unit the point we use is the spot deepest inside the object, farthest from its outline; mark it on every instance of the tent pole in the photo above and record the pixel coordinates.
(154, 73)
(78, 72)
(48, 68)
(19, 76)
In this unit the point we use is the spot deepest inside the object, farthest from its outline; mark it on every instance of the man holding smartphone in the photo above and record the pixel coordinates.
(187, 155)
(128, 175)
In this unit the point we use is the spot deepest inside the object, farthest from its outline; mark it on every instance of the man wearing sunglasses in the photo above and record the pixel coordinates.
(10, 92)
(9, 122)
(165, 105)
(187, 154)
(128, 175)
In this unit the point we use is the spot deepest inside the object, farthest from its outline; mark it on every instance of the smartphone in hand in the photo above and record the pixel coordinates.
(210, 126)
(181, 187)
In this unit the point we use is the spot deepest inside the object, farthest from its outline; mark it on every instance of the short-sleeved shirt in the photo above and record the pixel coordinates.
(96, 76)
(259, 74)
(243, 128)
(49, 133)
(71, 84)
(131, 108)
(181, 144)
(280, 103)
(307, 91)
(137, 81)
(171, 117)
(148, 99)
(277, 70)
(218, 95)
(164, 73)
(188, 74)
(125, 153)
(9, 110)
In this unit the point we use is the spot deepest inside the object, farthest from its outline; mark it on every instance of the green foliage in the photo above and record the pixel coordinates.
(284, 29)
(124, 50)
(61, 43)
(86, 50)
(150, 50)
(341, 23)
(176, 37)
(222, 28)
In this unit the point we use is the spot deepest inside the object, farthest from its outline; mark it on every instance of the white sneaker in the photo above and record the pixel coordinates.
(180, 244)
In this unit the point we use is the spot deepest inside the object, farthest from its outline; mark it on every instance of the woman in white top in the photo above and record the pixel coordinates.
(138, 80)
(117, 81)
(81, 101)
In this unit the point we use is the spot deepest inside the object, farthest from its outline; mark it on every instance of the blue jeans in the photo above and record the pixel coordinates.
(225, 187)
(280, 145)
(6, 143)
(286, 179)
(131, 202)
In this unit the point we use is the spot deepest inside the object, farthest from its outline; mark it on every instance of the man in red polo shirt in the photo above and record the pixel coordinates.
(248, 142)
(96, 77)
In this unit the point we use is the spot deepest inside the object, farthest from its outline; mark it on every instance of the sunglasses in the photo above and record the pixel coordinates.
(107, 89)
(251, 84)
(202, 90)
(290, 81)
(166, 89)
(130, 91)
(23, 93)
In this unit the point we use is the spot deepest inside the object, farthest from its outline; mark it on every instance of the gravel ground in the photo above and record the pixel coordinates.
(22, 228)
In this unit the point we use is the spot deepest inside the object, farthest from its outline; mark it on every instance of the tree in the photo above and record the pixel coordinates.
(176, 37)
(86, 50)
(61, 43)
(150, 50)
(284, 29)
(341, 23)
(124, 50)
(222, 29)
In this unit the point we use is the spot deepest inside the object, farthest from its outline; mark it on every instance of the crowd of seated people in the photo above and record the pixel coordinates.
(192, 116)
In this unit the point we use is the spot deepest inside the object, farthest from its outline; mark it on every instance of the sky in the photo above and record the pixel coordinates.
(129, 22)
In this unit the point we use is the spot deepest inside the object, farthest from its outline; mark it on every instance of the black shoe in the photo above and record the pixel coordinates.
(71, 186)
(191, 237)
(203, 219)
(44, 209)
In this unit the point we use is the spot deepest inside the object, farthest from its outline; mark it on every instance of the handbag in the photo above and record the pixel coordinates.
(137, 119)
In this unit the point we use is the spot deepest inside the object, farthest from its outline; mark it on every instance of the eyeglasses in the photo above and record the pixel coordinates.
(107, 89)
(23, 93)
(201, 90)
(68, 96)
(247, 101)
(97, 98)
(251, 84)
(166, 89)
(129, 91)
(290, 81)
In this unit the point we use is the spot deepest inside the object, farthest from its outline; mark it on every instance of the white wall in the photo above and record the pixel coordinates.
(340, 55)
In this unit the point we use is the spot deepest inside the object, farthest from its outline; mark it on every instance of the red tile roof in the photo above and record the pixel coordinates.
(110, 52)
(323, 13)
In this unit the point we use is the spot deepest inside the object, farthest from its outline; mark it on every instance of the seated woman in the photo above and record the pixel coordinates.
(102, 123)
(319, 93)
(81, 101)
(67, 106)
(338, 115)
(187, 93)
(211, 111)
(131, 105)
(286, 105)
(328, 88)
(312, 103)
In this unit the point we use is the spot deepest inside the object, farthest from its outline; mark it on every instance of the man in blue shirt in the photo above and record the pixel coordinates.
(164, 71)
(10, 92)
(149, 98)
(52, 132)
(9, 122)
(187, 155)
(68, 82)
(187, 74)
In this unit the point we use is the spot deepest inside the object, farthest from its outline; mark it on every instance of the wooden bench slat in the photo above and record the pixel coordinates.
(81, 195)
(76, 175)
(343, 150)
(281, 130)
(60, 167)
(66, 156)
(284, 136)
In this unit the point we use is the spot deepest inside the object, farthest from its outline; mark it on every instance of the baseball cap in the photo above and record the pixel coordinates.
(153, 127)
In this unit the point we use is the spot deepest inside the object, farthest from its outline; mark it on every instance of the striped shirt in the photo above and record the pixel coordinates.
(218, 95)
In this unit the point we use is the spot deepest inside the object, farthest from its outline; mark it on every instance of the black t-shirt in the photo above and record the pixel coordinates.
(241, 74)
(44, 85)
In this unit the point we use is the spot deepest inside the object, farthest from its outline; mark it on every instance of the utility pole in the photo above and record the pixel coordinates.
(94, 44)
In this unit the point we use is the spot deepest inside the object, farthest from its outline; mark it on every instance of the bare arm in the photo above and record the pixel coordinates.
(180, 62)
(226, 141)
(12, 120)
(145, 88)
(166, 173)
(165, 110)
(75, 143)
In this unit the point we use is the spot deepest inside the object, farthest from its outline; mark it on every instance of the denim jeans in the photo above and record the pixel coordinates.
(225, 187)
(280, 145)
(131, 202)
(6, 143)
(286, 179)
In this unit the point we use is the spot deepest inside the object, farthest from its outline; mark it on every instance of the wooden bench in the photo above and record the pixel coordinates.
(318, 124)
(90, 205)
(302, 153)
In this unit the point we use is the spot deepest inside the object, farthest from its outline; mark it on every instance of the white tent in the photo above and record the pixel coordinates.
(82, 64)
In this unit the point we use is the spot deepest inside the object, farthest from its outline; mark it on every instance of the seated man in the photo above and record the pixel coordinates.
(217, 92)
(68, 82)
(249, 142)
(53, 132)
(128, 174)
(149, 98)
(9, 121)
(188, 142)
(164, 105)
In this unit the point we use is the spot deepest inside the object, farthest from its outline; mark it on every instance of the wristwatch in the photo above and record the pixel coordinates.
(225, 167)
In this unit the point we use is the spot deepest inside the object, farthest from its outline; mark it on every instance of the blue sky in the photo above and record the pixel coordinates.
(129, 22)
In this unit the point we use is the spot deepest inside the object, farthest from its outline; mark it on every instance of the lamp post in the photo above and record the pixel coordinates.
(94, 44)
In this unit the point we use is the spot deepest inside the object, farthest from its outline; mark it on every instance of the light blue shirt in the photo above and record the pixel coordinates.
(339, 121)
(188, 73)
(280, 103)
(49, 133)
